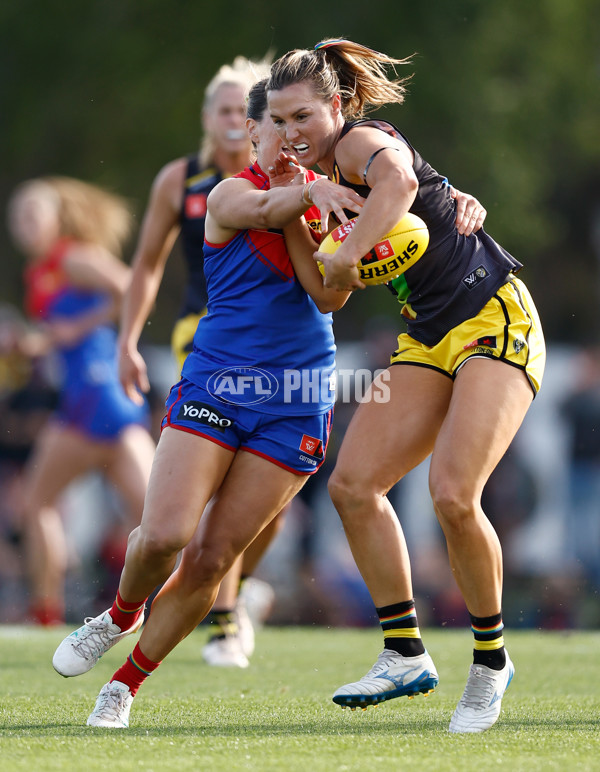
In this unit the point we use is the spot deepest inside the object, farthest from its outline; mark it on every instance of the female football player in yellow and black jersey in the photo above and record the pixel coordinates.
(460, 383)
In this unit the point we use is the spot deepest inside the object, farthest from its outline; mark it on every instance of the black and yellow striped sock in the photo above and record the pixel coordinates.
(222, 623)
(489, 641)
(401, 629)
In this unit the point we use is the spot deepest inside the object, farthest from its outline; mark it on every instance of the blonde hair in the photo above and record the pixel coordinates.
(337, 66)
(86, 212)
(241, 72)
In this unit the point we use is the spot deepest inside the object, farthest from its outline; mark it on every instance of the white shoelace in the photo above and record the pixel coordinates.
(90, 645)
(384, 661)
(479, 690)
(112, 702)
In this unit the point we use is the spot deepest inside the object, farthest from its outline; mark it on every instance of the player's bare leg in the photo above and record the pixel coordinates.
(384, 441)
(175, 501)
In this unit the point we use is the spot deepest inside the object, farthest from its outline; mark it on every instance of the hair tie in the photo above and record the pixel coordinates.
(329, 43)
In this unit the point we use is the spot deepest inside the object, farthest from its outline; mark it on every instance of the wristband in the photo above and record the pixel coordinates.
(309, 191)
(306, 193)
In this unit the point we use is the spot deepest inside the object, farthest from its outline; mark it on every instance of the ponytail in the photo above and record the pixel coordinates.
(337, 65)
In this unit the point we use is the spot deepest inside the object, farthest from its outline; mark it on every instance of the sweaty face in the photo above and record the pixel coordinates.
(224, 118)
(306, 123)
(33, 220)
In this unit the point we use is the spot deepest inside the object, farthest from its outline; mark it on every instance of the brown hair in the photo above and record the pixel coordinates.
(338, 66)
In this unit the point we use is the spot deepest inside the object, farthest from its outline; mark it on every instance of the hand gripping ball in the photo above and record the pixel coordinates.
(391, 256)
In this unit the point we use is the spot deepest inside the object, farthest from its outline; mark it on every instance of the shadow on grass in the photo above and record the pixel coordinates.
(334, 727)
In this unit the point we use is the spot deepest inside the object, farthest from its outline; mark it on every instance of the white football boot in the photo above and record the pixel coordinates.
(258, 598)
(112, 707)
(80, 650)
(225, 651)
(391, 676)
(479, 707)
(245, 627)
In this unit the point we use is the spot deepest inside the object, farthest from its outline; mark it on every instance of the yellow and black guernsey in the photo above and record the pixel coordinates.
(198, 184)
(199, 181)
(457, 275)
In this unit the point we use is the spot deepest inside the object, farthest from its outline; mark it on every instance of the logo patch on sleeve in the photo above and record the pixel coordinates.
(311, 445)
(475, 277)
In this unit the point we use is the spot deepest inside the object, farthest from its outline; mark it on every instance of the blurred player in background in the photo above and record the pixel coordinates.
(27, 399)
(177, 205)
(464, 374)
(71, 233)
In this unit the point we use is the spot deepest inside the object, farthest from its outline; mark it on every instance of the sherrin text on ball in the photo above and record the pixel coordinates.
(391, 256)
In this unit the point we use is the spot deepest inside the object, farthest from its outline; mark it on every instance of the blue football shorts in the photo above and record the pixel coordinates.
(295, 443)
(100, 411)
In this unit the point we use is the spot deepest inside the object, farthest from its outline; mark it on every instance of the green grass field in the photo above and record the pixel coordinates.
(278, 714)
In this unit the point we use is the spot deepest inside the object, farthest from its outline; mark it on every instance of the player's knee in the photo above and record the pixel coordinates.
(207, 566)
(346, 490)
(157, 545)
(338, 488)
(453, 504)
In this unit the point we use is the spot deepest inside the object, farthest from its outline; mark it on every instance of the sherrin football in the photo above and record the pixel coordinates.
(393, 254)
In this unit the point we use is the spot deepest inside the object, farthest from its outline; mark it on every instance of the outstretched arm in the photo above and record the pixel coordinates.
(327, 196)
(159, 230)
(236, 204)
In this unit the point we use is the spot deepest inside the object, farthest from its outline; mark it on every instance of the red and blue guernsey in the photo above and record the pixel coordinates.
(91, 397)
(263, 342)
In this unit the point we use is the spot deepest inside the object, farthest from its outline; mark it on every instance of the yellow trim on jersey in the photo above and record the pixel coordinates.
(497, 643)
(182, 337)
(402, 632)
(507, 328)
(204, 174)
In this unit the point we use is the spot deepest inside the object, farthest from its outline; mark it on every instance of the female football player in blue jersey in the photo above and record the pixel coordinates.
(70, 232)
(245, 426)
(177, 206)
(460, 383)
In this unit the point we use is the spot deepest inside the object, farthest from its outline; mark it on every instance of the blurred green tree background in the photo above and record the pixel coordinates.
(504, 101)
